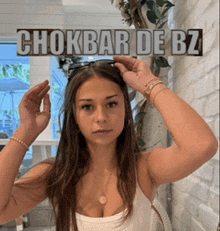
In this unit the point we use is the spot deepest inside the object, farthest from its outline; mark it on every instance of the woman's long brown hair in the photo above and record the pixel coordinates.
(73, 159)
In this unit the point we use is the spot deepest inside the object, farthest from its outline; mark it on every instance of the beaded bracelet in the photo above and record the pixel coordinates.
(21, 142)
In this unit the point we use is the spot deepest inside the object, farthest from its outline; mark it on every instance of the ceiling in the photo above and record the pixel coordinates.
(97, 6)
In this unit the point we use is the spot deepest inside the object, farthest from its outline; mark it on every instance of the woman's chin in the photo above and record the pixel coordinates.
(102, 141)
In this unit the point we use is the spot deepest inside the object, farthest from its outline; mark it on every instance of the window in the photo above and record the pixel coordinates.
(59, 82)
(14, 82)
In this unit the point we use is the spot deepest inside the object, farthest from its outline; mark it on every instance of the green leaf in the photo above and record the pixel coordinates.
(158, 14)
(153, 6)
(169, 4)
(151, 16)
(128, 6)
(132, 95)
(165, 10)
(160, 2)
(161, 62)
(161, 26)
(140, 141)
(139, 116)
(156, 67)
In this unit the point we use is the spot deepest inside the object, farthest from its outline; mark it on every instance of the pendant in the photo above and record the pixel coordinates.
(102, 200)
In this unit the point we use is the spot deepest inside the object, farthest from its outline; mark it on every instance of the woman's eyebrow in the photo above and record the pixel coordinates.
(108, 97)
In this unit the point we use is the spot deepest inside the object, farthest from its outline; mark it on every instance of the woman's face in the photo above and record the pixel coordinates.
(100, 110)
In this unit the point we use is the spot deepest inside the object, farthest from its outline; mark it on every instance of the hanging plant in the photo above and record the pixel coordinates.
(156, 13)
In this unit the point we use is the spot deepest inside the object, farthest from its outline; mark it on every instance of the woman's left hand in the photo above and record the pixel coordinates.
(135, 72)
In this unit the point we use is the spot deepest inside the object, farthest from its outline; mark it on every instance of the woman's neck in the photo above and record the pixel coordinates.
(102, 157)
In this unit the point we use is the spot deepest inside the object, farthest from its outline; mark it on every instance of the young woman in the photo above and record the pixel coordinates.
(99, 179)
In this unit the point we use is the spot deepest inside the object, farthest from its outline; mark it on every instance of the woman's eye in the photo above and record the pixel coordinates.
(87, 107)
(112, 104)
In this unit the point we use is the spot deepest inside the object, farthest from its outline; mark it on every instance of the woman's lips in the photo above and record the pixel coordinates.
(102, 131)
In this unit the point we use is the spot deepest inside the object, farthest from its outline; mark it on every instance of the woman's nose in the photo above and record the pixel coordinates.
(101, 115)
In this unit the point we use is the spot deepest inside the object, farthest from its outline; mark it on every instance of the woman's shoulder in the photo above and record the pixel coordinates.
(46, 165)
(50, 160)
(38, 170)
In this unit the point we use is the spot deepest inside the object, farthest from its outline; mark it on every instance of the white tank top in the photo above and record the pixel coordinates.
(140, 220)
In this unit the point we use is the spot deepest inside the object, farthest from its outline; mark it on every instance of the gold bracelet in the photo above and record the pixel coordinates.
(161, 89)
(154, 84)
(21, 142)
(151, 86)
(154, 78)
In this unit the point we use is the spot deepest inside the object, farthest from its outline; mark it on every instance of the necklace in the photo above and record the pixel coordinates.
(103, 199)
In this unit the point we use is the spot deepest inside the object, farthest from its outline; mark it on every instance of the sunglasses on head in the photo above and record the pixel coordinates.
(77, 66)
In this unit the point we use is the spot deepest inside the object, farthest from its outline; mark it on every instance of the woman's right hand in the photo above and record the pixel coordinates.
(32, 119)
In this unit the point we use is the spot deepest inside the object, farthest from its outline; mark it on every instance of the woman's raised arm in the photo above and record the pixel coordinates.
(195, 143)
(33, 122)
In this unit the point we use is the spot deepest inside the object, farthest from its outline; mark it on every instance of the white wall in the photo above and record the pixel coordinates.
(51, 14)
(195, 199)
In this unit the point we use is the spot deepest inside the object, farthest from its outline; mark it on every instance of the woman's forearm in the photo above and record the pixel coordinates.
(11, 158)
(190, 132)
(33, 122)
